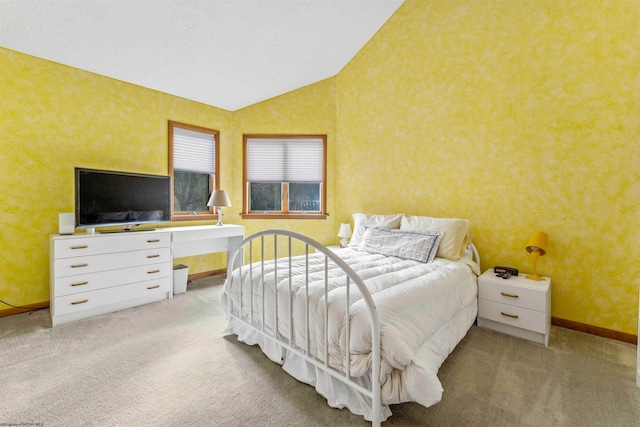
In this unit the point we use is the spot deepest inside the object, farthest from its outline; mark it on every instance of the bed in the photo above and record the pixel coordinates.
(368, 325)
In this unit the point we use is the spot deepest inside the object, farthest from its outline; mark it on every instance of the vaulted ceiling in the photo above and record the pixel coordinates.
(224, 53)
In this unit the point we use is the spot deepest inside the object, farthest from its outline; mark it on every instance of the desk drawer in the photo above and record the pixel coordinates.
(91, 264)
(102, 297)
(83, 246)
(104, 279)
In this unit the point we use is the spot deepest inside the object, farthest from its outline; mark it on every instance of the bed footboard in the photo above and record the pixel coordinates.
(241, 309)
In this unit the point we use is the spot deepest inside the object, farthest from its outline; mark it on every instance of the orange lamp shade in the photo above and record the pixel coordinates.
(538, 242)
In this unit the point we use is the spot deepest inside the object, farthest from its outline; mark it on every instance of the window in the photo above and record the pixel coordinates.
(193, 166)
(285, 176)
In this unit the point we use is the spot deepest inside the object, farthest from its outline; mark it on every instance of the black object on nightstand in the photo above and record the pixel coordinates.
(505, 272)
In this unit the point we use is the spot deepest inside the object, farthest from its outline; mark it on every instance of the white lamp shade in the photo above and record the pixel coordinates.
(219, 198)
(345, 230)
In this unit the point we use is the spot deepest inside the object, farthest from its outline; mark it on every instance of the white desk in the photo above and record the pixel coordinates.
(204, 239)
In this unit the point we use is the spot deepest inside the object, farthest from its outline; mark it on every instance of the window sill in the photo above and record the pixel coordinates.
(276, 215)
(197, 217)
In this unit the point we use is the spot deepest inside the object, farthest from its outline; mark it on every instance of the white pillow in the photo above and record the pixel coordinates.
(456, 233)
(421, 247)
(360, 221)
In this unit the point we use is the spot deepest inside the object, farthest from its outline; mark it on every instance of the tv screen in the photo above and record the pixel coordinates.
(110, 198)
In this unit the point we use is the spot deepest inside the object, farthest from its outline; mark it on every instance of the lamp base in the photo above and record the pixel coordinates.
(219, 217)
(344, 242)
(535, 254)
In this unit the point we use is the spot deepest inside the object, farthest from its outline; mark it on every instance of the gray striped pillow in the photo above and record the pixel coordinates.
(417, 246)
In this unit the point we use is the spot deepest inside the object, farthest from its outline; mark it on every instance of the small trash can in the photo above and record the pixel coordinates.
(180, 277)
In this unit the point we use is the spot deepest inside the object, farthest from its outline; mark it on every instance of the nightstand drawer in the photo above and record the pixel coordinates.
(517, 296)
(515, 316)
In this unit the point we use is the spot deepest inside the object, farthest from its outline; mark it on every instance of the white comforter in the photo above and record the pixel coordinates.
(424, 311)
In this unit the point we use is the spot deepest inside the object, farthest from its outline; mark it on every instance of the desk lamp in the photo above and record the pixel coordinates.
(219, 199)
(537, 247)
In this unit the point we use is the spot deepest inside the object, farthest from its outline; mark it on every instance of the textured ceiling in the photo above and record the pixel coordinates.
(225, 53)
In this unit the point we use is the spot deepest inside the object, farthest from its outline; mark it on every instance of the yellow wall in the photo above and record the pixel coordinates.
(519, 115)
(310, 110)
(54, 118)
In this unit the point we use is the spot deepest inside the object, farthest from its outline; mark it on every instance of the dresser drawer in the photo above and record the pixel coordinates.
(92, 281)
(102, 297)
(91, 264)
(515, 316)
(517, 296)
(83, 246)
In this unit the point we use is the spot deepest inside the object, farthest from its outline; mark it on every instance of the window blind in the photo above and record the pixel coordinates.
(193, 151)
(284, 160)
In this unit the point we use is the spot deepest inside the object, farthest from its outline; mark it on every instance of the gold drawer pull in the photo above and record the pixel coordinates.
(504, 294)
(79, 283)
(153, 271)
(153, 256)
(153, 287)
(79, 265)
(513, 316)
(79, 247)
(153, 241)
(79, 302)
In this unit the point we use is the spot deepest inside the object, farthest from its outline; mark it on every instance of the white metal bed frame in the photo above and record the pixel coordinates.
(374, 392)
(352, 278)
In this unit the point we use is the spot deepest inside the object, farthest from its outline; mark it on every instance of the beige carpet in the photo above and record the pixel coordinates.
(167, 364)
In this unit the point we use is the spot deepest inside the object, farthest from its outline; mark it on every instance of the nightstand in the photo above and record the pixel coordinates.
(333, 247)
(515, 306)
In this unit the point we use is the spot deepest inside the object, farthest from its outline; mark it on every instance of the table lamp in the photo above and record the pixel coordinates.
(219, 199)
(344, 233)
(537, 247)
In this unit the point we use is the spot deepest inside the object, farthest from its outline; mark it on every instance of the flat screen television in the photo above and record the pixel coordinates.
(111, 198)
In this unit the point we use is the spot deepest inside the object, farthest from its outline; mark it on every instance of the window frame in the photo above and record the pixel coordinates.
(285, 214)
(214, 179)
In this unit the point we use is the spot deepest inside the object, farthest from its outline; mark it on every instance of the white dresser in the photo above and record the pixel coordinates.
(515, 306)
(93, 274)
